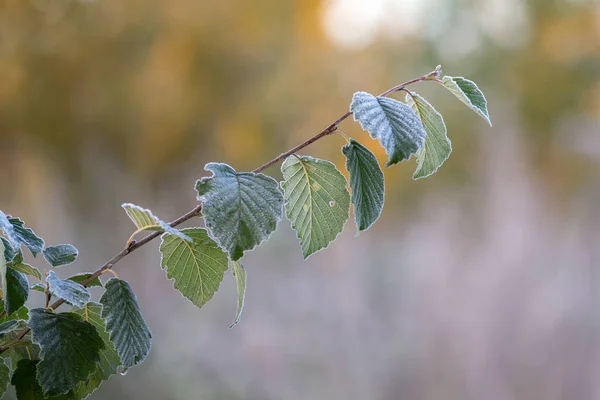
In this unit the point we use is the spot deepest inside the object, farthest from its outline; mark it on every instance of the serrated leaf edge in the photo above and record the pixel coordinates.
(201, 198)
(472, 106)
(416, 108)
(164, 268)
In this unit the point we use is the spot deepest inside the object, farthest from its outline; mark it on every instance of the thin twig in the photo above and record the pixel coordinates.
(133, 245)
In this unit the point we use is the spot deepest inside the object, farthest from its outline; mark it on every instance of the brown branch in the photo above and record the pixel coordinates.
(331, 128)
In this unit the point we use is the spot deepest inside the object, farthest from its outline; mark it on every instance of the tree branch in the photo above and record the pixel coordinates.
(133, 245)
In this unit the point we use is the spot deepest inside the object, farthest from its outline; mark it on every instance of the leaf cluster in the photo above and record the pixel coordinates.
(67, 355)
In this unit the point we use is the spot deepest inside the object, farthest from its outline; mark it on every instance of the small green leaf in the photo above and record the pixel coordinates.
(468, 92)
(9, 252)
(109, 359)
(72, 292)
(437, 147)
(4, 377)
(366, 182)
(196, 267)
(26, 236)
(145, 220)
(239, 273)
(240, 209)
(26, 269)
(124, 322)
(59, 255)
(9, 230)
(39, 287)
(3, 268)
(15, 288)
(22, 314)
(70, 349)
(79, 278)
(25, 381)
(317, 201)
(395, 124)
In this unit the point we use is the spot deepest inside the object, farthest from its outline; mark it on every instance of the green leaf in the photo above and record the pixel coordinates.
(239, 273)
(109, 359)
(22, 314)
(317, 201)
(395, 124)
(11, 341)
(27, 351)
(26, 236)
(59, 255)
(9, 230)
(9, 252)
(4, 377)
(15, 288)
(196, 267)
(3, 268)
(240, 209)
(437, 147)
(70, 349)
(468, 92)
(124, 323)
(9, 326)
(145, 220)
(72, 292)
(39, 287)
(366, 182)
(79, 278)
(26, 269)
(25, 381)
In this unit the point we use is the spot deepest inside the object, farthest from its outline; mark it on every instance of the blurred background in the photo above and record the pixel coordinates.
(480, 282)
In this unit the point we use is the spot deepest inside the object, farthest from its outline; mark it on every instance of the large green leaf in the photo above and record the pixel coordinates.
(26, 236)
(14, 286)
(70, 349)
(240, 209)
(366, 182)
(239, 273)
(468, 92)
(59, 255)
(437, 146)
(196, 267)
(109, 359)
(73, 292)
(25, 381)
(145, 220)
(317, 201)
(125, 323)
(395, 124)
